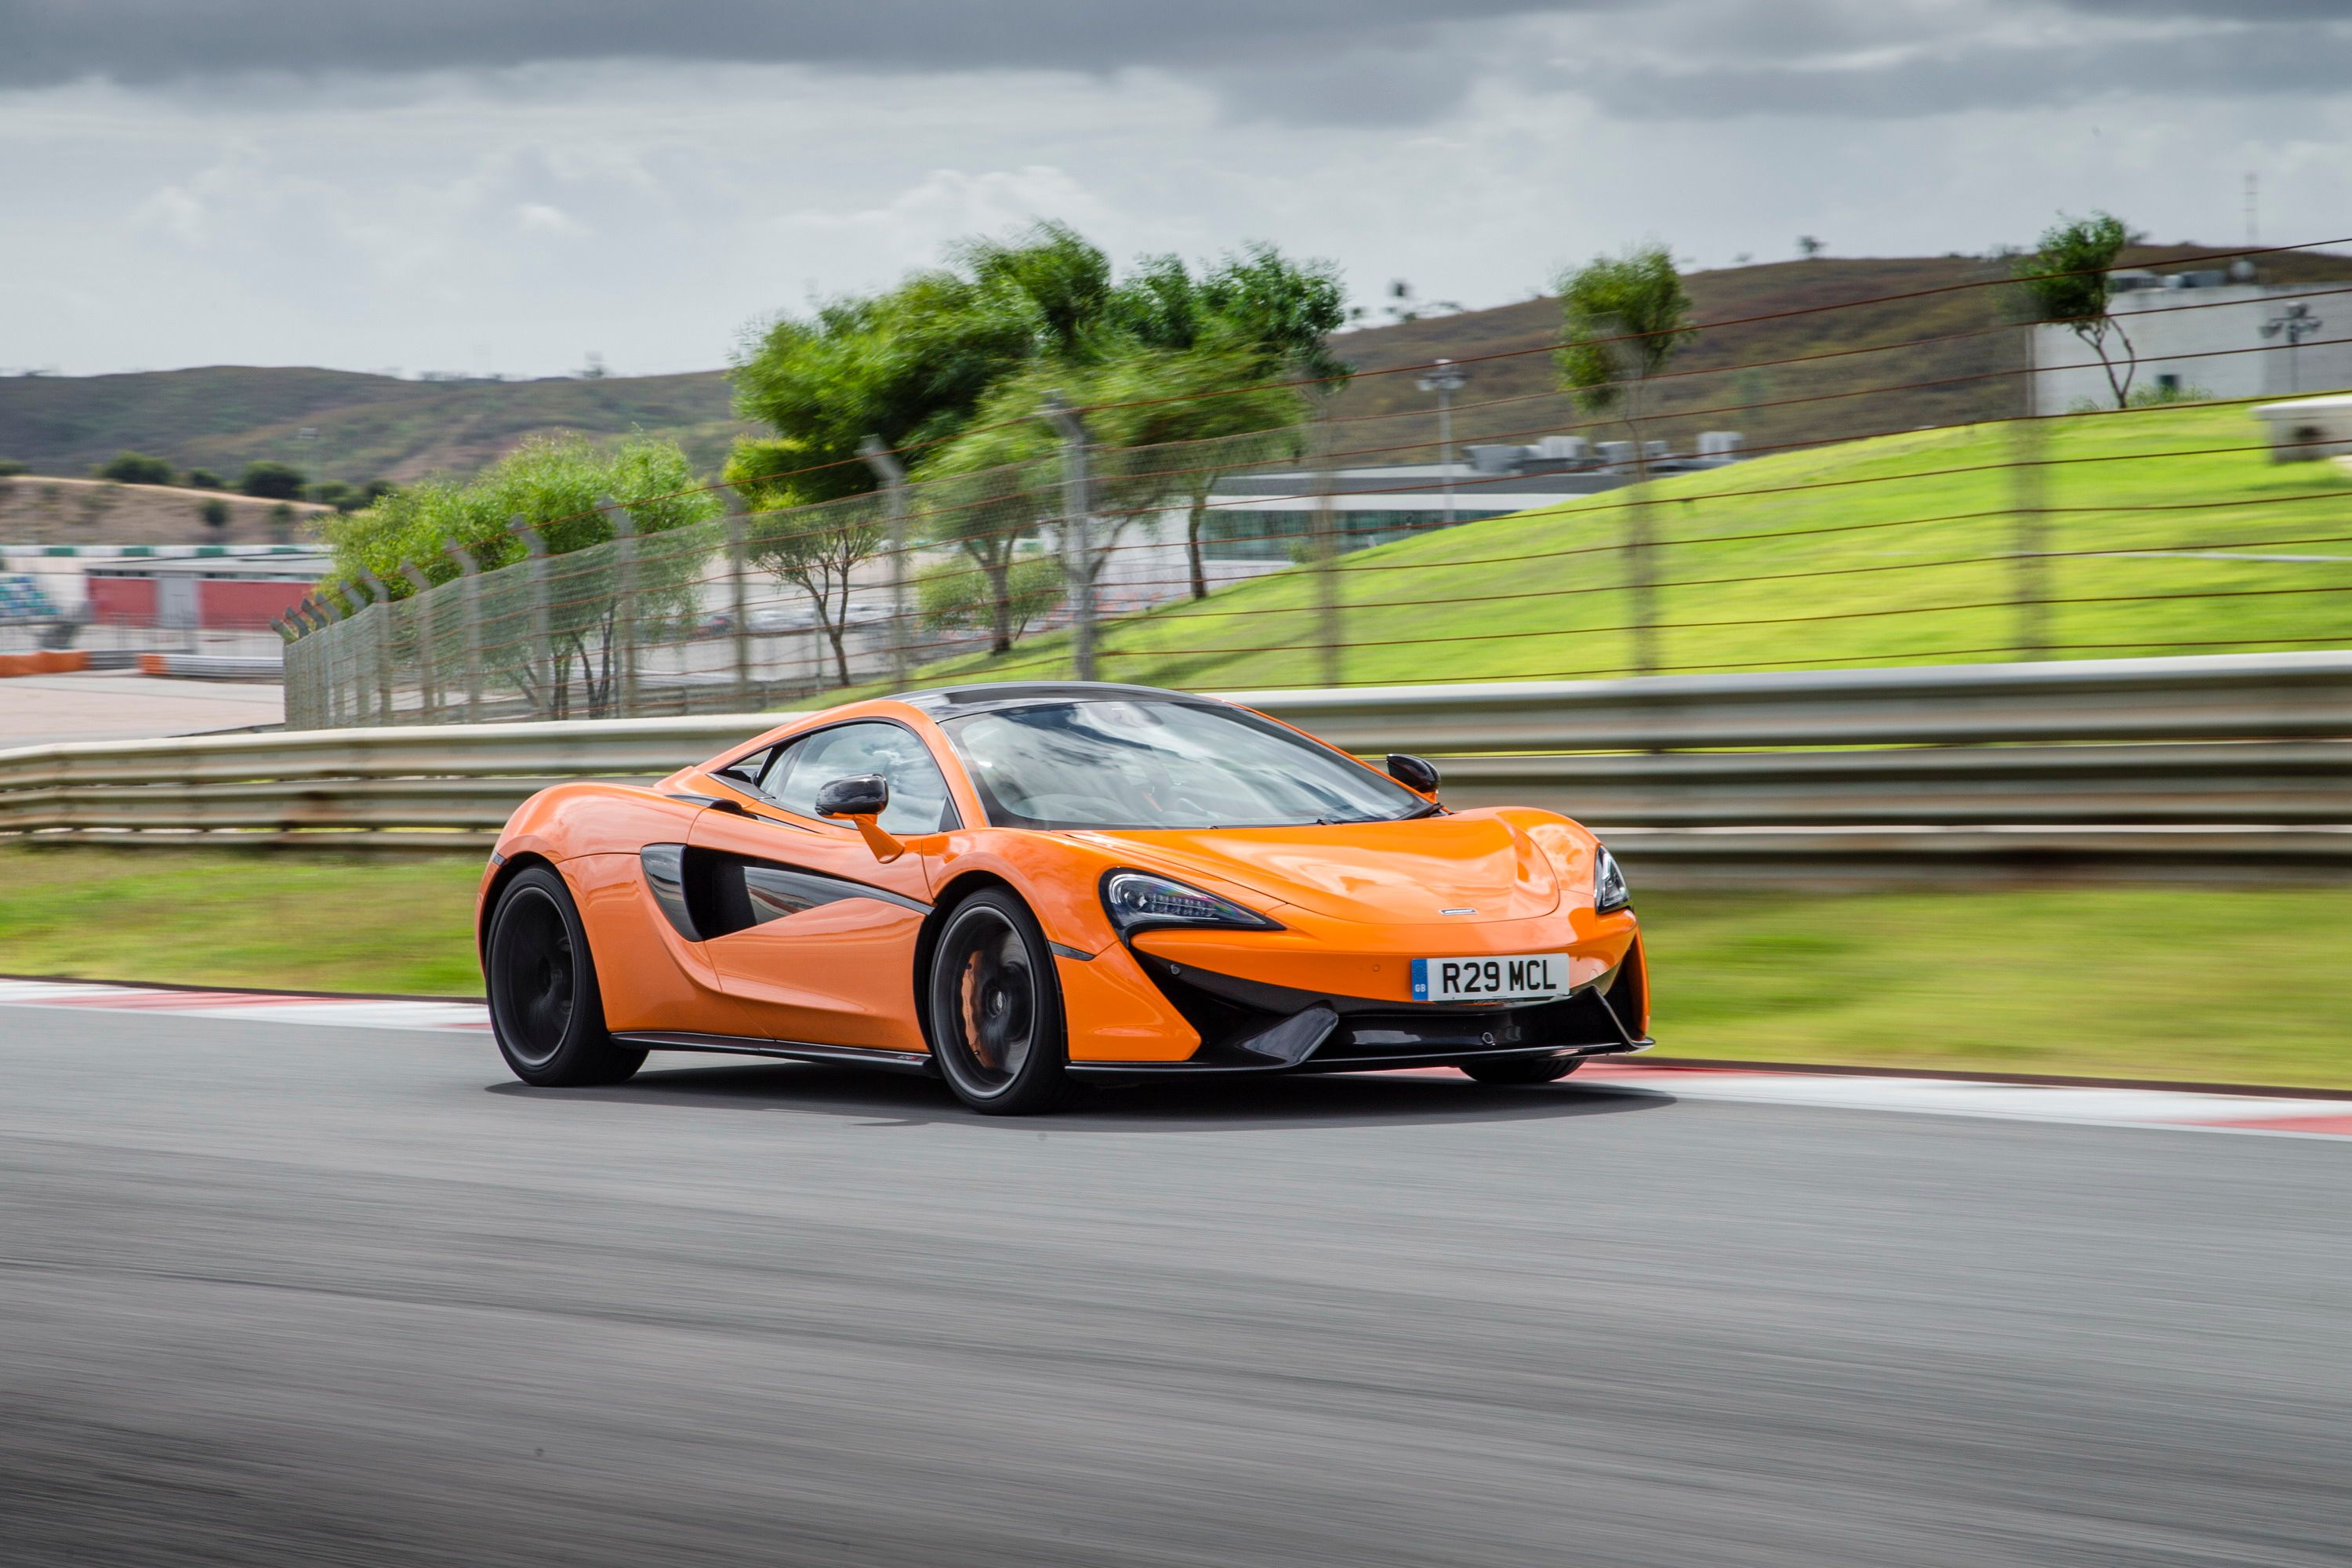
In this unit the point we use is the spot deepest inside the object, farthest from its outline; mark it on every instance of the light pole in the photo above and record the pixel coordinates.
(2295, 323)
(1446, 378)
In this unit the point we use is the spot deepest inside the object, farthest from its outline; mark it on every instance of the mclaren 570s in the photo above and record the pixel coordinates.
(1018, 887)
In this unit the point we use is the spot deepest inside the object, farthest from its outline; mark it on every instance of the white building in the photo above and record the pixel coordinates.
(2203, 332)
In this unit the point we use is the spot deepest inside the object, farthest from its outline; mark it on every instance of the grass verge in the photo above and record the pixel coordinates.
(2222, 985)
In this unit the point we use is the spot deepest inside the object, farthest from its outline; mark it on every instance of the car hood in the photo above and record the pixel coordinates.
(1422, 872)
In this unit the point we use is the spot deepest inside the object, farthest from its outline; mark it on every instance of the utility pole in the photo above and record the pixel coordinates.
(893, 475)
(1077, 543)
(1446, 378)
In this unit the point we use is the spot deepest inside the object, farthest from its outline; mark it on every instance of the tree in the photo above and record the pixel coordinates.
(2066, 281)
(10, 467)
(1253, 318)
(1622, 319)
(555, 484)
(134, 468)
(205, 479)
(1808, 246)
(272, 481)
(215, 512)
(908, 367)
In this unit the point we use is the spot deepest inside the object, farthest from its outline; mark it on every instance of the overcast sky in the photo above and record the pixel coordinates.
(509, 186)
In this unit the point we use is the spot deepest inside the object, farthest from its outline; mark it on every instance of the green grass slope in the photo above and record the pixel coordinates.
(2169, 529)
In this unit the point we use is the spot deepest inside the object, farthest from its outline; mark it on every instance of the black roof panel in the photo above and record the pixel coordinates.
(949, 701)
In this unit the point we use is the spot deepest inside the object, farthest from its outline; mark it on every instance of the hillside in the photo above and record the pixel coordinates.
(368, 426)
(2168, 529)
(365, 426)
(1972, 373)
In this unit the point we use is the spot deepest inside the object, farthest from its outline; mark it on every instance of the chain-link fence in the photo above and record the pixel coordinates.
(1934, 497)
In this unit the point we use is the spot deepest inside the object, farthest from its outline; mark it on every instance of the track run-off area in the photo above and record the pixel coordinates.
(305, 1279)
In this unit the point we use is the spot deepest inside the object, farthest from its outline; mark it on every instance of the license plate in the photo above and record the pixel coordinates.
(1520, 979)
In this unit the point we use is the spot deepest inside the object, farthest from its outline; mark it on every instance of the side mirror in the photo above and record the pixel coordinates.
(859, 795)
(1414, 772)
(863, 798)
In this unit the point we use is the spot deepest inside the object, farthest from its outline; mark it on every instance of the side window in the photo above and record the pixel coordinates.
(746, 770)
(918, 794)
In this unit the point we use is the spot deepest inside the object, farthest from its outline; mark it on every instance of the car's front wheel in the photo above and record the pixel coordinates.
(1522, 1069)
(545, 1009)
(995, 1014)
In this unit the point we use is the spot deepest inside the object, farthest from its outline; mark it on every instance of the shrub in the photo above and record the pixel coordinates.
(273, 481)
(205, 479)
(215, 511)
(135, 469)
(956, 597)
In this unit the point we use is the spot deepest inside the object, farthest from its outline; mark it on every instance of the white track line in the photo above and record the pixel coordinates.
(2284, 1114)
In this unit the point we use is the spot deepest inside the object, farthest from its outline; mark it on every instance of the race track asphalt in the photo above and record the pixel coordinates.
(270, 1294)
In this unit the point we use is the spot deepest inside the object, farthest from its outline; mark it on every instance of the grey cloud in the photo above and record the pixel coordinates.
(156, 41)
(2224, 63)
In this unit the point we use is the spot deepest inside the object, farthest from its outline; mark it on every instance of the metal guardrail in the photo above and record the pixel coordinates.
(2239, 764)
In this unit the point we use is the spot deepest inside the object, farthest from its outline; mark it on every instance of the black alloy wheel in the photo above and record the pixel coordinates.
(995, 1014)
(1521, 1069)
(545, 1009)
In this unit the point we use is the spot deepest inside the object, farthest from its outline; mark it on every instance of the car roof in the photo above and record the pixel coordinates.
(954, 702)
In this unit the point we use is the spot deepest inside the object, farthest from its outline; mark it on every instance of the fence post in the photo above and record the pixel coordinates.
(624, 607)
(469, 609)
(542, 616)
(1324, 545)
(2028, 543)
(1077, 528)
(428, 658)
(331, 614)
(894, 493)
(366, 590)
(740, 598)
(383, 645)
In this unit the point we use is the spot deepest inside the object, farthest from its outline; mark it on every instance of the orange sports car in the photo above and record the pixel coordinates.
(1014, 886)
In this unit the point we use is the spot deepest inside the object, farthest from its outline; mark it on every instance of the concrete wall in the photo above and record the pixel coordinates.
(2190, 333)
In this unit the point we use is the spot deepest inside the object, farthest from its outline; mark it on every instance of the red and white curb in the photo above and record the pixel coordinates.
(257, 1007)
(2284, 1114)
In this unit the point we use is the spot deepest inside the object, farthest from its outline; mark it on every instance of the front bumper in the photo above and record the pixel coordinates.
(1247, 1026)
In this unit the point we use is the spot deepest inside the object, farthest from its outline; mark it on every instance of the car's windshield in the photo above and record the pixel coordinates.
(1145, 764)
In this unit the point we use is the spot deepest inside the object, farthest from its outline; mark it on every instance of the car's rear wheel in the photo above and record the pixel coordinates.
(995, 1015)
(1522, 1069)
(545, 1009)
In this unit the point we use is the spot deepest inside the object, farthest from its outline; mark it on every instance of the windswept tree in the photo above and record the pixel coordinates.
(2068, 280)
(910, 368)
(1225, 341)
(954, 365)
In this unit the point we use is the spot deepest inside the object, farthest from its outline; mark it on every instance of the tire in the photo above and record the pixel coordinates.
(995, 1019)
(545, 1009)
(1522, 1069)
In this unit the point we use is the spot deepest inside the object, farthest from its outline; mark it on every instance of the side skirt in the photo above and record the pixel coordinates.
(791, 1050)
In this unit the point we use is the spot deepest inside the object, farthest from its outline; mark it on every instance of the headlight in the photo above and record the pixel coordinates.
(1137, 900)
(1609, 893)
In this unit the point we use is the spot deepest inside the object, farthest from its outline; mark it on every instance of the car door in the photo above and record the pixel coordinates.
(814, 937)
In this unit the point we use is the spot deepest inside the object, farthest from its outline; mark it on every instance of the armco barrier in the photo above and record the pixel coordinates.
(2237, 766)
